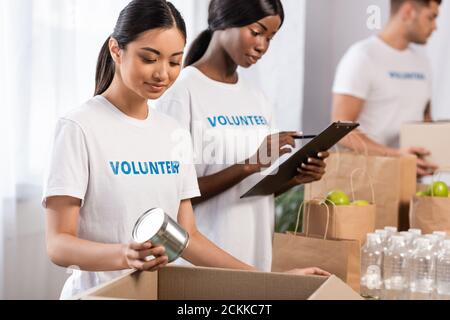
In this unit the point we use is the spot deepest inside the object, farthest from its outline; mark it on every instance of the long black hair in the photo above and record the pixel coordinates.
(225, 14)
(137, 17)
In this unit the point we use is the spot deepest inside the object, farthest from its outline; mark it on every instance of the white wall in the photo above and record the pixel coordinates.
(49, 57)
(439, 51)
(331, 28)
(30, 273)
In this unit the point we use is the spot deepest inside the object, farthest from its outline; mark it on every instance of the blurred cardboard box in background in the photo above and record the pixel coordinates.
(433, 136)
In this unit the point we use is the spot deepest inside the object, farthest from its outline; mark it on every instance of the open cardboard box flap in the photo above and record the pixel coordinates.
(180, 283)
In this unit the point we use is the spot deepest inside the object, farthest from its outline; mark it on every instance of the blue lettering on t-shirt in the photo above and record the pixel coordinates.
(213, 122)
(176, 167)
(135, 172)
(243, 121)
(168, 167)
(407, 75)
(126, 168)
(145, 169)
(264, 121)
(137, 168)
(161, 165)
(223, 121)
(114, 167)
(154, 168)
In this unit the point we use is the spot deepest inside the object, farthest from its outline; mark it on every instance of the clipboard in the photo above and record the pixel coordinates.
(288, 169)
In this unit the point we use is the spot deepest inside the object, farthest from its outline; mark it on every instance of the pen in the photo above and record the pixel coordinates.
(304, 137)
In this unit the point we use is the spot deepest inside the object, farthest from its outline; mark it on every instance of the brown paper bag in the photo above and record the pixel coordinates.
(394, 182)
(430, 214)
(421, 187)
(346, 222)
(337, 256)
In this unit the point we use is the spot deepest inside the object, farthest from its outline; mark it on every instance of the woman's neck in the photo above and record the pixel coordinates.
(126, 101)
(217, 64)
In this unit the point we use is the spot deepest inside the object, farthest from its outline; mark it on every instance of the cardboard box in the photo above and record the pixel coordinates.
(180, 283)
(432, 136)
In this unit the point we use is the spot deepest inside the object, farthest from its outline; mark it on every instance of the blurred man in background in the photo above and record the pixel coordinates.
(385, 81)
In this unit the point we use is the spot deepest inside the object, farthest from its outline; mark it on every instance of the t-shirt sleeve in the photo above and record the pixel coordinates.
(189, 188)
(353, 75)
(269, 112)
(272, 118)
(429, 79)
(68, 170)
(176, 103)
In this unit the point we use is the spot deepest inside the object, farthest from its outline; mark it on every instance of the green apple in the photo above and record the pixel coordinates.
(422, 194)
(439, 189)
(339, 198)
(361, 203)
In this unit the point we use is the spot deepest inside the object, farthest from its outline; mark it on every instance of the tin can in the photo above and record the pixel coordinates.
(161, 230)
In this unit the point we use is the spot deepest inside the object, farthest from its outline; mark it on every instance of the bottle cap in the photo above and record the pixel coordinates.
(391, 229)
(373, 237)
(416, 232)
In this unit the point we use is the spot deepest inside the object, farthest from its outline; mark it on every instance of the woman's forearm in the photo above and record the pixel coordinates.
(362, 144)
(220, 182)
(68, 251)
(203, 253)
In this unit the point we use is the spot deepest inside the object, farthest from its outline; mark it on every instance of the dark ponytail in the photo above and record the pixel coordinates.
(104, 74)
(137, 17)
(226, 14)
(198, 47)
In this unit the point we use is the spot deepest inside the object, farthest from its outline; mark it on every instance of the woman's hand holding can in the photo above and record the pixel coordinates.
(136, 256)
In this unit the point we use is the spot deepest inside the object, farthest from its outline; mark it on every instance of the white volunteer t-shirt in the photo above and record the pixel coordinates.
(228, 123)
(119, 167)
(396, 86)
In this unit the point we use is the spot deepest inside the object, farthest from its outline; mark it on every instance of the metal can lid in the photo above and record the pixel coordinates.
(148, 225)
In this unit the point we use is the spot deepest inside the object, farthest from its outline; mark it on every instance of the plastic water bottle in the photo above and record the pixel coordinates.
(434, 239)
(416, 232)
(417, 235)
(382, 234)
(371, 266)
(391, 231)
(435, 244)
(443, 272)
(395, 269)
(409, 241)
(409, 237)
(441, 234)
(383, 237)
(422, 271)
